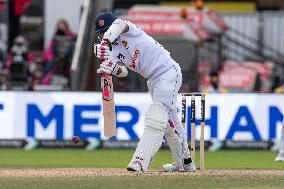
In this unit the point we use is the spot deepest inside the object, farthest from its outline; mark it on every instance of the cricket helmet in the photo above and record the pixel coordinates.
(104, 21)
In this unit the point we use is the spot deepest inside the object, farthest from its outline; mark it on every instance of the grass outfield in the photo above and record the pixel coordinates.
(42, 158)
(224, 169)
(173, 182)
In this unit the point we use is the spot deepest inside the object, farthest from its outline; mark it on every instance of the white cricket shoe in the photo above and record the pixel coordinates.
(280, 157)
(135, 167)
(173, 167)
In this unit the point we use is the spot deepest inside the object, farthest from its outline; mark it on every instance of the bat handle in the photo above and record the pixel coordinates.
(106, 75)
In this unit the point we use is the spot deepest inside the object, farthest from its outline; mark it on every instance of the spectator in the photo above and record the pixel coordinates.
(279, 86)
(37, 75)
(58, 55)
(19, 63)
(215, 88)
(4, 79)
(20, 50)
(214, 84)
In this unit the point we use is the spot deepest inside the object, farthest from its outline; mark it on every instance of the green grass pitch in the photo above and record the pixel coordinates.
(239, 160)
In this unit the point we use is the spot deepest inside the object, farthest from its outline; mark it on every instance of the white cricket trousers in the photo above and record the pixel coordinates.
(164, 89)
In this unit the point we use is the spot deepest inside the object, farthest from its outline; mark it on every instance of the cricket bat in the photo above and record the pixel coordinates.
(108, 105)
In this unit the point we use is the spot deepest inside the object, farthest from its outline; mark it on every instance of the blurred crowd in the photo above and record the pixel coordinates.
(24, 69)
(27, 70)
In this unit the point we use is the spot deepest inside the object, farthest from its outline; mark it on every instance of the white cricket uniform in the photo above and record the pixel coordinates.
(142, 54)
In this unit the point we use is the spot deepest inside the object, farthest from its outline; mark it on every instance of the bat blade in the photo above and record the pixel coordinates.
(108, 106)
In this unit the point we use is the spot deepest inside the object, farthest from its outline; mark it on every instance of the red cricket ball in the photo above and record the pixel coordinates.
(75, 139)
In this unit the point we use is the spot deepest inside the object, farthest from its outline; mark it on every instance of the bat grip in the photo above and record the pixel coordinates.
(105, 75)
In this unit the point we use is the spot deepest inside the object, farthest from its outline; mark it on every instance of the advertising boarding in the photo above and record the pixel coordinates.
(61, 115)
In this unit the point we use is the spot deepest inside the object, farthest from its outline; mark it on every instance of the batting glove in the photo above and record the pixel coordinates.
(108, 67)
(102, 50)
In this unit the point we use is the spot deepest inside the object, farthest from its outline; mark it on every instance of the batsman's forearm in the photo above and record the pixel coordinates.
(118, 26)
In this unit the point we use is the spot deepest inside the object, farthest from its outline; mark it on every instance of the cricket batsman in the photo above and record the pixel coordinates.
(123, 46)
